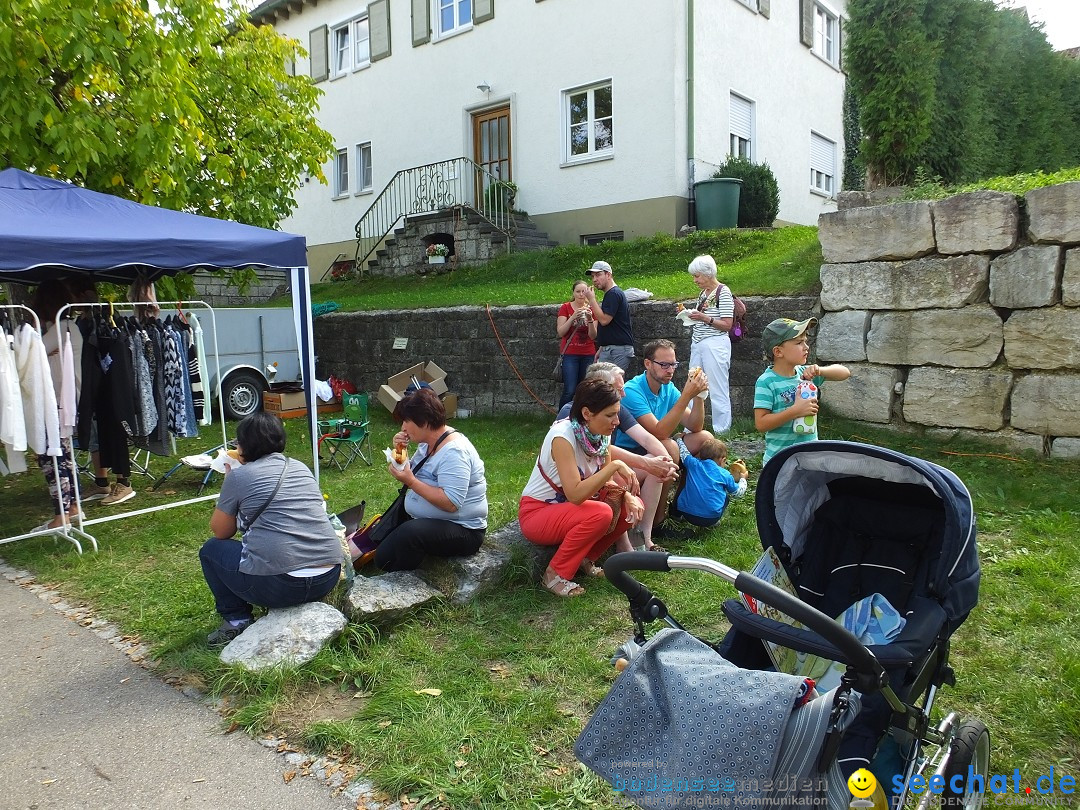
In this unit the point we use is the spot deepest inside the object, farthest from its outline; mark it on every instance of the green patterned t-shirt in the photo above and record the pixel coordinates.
(774, 393)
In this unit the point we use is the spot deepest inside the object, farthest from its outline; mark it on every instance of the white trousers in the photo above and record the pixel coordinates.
(713, 355)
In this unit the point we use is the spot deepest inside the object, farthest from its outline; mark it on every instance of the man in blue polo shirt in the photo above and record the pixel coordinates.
(661, 408)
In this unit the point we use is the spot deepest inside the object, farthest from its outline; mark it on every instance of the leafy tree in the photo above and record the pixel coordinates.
(887, 59)
(854, 170)
(188, 106)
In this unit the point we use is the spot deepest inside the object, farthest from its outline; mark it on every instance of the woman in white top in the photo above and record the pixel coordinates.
(710, 346)
(581, 495)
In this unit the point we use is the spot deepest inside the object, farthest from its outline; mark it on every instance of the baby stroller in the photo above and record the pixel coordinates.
(847, 521)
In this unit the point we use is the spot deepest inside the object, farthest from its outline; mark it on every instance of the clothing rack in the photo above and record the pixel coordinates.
(70, 532)
(129, 308)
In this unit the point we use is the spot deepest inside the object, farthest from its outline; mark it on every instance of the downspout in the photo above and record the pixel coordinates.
(691, 210)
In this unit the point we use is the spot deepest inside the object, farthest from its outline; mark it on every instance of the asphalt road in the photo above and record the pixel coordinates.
(82, 726)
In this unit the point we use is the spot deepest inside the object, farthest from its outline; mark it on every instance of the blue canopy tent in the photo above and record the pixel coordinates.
(49, 229)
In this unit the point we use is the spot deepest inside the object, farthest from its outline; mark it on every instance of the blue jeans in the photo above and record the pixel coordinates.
(235, 592)
(573, 372)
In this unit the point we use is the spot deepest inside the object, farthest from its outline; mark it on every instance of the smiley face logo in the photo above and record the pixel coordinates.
(862, 784)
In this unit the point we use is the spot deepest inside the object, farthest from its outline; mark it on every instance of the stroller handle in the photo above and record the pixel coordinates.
(864, 661)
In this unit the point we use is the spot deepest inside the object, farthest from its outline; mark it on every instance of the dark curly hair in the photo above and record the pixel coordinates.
(423, 408)
(260, 434)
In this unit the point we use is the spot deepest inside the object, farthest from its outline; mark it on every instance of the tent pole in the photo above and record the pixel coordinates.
(301, 298)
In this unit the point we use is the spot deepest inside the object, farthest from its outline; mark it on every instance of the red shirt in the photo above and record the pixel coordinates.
(577, 340)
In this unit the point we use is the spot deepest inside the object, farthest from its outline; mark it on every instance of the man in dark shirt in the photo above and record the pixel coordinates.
(614, 332)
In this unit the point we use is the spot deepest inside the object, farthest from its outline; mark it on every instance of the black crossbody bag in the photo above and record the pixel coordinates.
(396, 514)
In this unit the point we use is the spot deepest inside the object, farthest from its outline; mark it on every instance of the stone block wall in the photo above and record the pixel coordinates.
(358, 346)
(217, 293)
(961, 314)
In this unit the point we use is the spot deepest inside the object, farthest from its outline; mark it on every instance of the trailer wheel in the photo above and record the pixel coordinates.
(242, 394)
(969, 748)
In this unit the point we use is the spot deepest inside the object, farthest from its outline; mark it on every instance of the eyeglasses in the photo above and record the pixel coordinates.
(663, 365)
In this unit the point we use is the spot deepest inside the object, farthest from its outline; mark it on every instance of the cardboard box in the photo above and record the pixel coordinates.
(449, 402)
(390, 393)
(291, 404)
(276, 401)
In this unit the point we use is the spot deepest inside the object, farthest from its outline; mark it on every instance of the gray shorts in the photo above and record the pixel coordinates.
(619, 355)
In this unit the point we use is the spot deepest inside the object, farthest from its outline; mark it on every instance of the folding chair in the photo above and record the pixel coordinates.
(344, 438)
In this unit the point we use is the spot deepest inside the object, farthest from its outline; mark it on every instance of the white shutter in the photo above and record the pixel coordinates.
(483, 10)
(319, 55)
(822, 155)
(379, 29)
(421, 22)
(741, 117)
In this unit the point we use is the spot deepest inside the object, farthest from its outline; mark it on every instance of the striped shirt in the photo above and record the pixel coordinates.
(716, 305)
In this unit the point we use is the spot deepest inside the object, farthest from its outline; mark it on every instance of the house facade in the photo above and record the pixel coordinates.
(604, 113)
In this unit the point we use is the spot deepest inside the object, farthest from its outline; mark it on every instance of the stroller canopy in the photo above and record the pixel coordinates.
(796, 481)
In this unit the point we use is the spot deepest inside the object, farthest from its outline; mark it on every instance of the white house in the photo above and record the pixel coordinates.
(603, 112)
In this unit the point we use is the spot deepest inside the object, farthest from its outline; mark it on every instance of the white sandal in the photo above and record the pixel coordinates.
(559, 586)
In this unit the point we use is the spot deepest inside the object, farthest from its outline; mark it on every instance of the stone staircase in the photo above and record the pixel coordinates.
(472, 240)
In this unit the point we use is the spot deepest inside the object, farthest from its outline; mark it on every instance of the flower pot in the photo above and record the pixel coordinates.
(436, 260)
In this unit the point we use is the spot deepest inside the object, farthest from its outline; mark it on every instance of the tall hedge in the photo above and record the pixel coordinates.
(759, 195)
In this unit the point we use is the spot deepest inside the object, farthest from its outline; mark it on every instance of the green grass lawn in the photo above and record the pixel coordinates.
(752, 262)
(519, 672)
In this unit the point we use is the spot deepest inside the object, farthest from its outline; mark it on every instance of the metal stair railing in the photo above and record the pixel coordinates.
(454, 183)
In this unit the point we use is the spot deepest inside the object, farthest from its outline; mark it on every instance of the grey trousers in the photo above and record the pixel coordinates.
(619, 355)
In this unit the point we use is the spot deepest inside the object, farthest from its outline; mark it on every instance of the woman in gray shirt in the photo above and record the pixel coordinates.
(447, 497)
(288, 553)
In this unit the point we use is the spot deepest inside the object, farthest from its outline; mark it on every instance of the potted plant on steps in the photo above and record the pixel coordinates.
(437, 253)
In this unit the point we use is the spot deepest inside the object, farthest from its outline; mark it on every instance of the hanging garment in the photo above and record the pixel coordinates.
(174, 386)
(207, 417)
(40, 411)
(12, 422)
(146, 411)
(67, 372)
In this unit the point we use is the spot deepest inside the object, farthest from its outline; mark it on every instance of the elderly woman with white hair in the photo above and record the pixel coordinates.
(710, 346)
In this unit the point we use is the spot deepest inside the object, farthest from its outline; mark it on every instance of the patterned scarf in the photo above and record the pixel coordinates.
(594, 445)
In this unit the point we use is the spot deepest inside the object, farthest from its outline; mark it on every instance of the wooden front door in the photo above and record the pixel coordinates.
(491, 142)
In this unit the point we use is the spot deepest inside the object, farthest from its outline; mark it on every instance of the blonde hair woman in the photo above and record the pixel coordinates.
(576, 329)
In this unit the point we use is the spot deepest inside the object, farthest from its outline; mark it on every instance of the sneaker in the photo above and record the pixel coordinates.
(227, 632)
(94, 493)
(118, 494)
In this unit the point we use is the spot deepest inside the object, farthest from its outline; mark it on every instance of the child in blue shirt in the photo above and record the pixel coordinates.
(706, 486)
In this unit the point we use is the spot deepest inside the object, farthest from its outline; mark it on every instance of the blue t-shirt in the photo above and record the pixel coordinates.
(774, 393)
(620, 332)
(640, 400)
(458, 470)
(708, 485)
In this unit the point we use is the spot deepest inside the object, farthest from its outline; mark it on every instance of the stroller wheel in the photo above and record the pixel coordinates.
(970, 747)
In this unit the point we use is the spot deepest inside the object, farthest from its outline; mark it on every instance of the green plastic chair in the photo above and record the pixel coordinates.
(344, 438)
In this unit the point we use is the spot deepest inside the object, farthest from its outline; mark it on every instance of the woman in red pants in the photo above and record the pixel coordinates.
(582, 495)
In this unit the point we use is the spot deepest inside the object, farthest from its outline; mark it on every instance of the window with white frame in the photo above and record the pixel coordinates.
(363, 167)
(350, 47)
(452, 16)
(741, 127)
(822, 165)
(826, 39)
(589, 125)
(341, 173)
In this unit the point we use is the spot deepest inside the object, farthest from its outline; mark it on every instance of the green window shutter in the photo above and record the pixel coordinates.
(320, 57)
(483, 10)
(379, 29)
(806, 28)
(763, 6)
(421, 22)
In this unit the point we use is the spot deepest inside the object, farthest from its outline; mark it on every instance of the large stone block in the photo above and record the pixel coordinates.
(979, 222)
(920, 284)
(1027, 277)
(1054, 213)
(900, 231)
(841, 337)
(1047, 404)
(867, 395)
(388, 597)
(964, 338)
(957, 397)
(1043, 338)
(1065, 448)
(1012, 440)
(1070, 279)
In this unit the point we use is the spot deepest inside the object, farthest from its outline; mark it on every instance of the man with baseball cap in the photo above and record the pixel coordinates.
(614, 332)
(786, 394)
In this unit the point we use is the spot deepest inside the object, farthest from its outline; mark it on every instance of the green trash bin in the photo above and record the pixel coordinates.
(717, 203)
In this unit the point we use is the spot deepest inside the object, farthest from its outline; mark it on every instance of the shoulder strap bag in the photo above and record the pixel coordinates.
(393, 517)
(251, 522)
